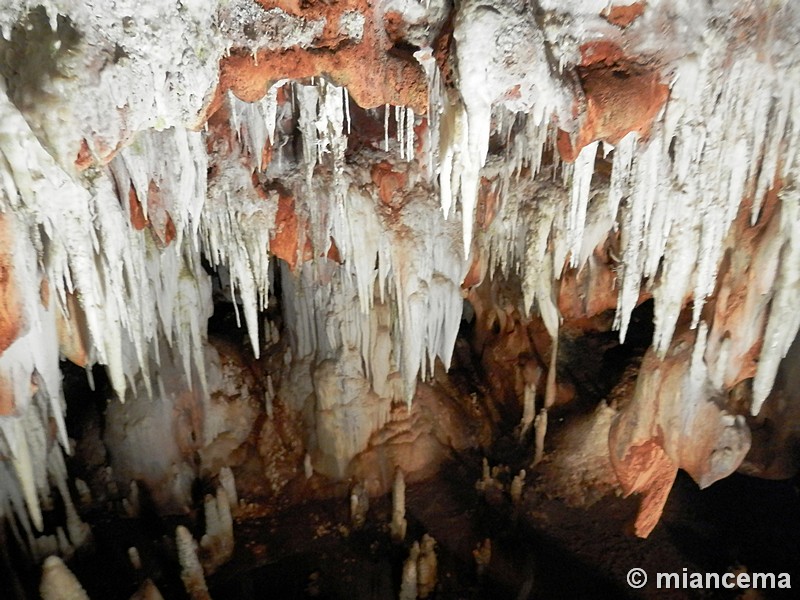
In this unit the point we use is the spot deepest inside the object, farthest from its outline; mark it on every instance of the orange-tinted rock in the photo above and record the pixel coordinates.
(622, 16)
(158, 218)
(333, 252)
(371, 74)
(475, 274)
(647, 447)
(394, 25)
(507, 345)
(387, 180)
(138, 220)
(418, 440)
(442, 49)
(84, 158)
(647, 471)
(11, 316)
(284, 241)
(7, 404)
(739, 308)
(488, 204)
(588, 292)
(621, 94)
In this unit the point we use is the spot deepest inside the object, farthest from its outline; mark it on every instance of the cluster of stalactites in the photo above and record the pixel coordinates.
(728, 133)
(407, 260)
(84, 283)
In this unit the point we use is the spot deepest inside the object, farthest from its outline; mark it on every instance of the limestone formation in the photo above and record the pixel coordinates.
(409, 580)
(399, 524)
(194, 581)
(58, 582)
(273, 227)
(427, 567)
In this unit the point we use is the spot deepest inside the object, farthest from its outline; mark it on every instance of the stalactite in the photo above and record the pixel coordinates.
(373, 294)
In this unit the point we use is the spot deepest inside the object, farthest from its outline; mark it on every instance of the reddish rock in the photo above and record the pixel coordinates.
(622, 95)
(622, 16)
(159, 219)
(475, 274)
(389, 79)
(333, 252)
(394, 25)
(7, 404)
(388, 181)
(488, 204)
(738, 310)
(11, 315)
(442, 50)
(138, 220)
(646, 447)
(84, 159)
(284, 242)
(508, 345)
(647, 470)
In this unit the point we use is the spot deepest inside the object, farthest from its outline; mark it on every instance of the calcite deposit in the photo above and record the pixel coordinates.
(274, 226)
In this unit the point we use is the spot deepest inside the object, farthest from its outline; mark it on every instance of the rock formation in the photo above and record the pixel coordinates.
(359, 182)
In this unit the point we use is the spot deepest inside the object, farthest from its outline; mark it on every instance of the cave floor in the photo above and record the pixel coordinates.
(544, 549)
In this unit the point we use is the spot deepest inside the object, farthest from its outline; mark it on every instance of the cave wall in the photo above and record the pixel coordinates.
(396, 157)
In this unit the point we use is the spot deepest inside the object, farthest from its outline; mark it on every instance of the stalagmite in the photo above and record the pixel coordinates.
(540, 422)
(308, 468)
(84, 493)
(399, 524)
(147, 591)
(359, 505)
(65, 549)
(517, 486)
(191, 572)
(427, 567)
(540, 430)
(528, 410)
(134, 558)
(228, 483)
(80, 533)
(58, 582)
(131, 503)
(217, 543)
(483, 556)
(408, 580)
